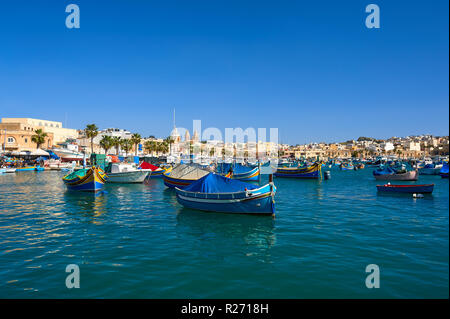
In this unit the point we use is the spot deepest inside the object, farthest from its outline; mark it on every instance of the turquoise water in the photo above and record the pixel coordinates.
(136, 241)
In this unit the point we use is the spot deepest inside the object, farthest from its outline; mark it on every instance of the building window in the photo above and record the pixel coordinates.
(11, 140)
(26, 140)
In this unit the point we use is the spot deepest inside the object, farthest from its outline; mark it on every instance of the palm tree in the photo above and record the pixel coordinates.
(106, 143)
(116, 141)
(169, 140)
(136, 139)
(127, 145)
(39, 137)
(150, 146)
(91, 131)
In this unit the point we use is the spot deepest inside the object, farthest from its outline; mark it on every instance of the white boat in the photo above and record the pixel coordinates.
(126, 173)
(8, 170)
(68, 152)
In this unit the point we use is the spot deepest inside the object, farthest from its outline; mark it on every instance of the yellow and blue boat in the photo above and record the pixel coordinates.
(313, 171)
(87, 179)
(26, 169)
(161, 171)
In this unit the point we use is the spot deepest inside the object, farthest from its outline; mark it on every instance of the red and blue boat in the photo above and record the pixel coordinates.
(408, 189)
(216, 193)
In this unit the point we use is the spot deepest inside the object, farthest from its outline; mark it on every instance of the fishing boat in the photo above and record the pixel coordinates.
(241, 172)
(309, 172)
(9, 170)
(2, 170)
(347, 167)
(39, 169)
(216, 193)
(444, 171)
(389, 174)
(183, 175)
(26, 169)
(430, 169)
(69, 152)
(87, 179)
(412, 189)
(125, 173)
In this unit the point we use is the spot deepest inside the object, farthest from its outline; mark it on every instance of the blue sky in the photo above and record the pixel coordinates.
(310, 68)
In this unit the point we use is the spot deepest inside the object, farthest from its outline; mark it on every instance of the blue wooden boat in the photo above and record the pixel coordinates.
(183, 175)
(309, 172)
(444, 171)
(88, 179)
(410, 189)
(216, 193)
(241, 172)
(40, 169)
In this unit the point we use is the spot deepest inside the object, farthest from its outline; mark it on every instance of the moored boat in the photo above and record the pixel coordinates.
(25, 168)
(347, 167)
(308, 172)
(87, 179)
(430, 169)
(183, 175)
(413, 189)
(221, 194)
(388, 174)
(125, 173)
(242, 173)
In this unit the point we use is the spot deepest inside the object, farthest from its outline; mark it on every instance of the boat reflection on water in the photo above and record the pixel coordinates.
(254, 234)
(86, 206)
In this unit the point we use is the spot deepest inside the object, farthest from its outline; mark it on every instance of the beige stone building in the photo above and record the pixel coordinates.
(60, 134)
(17, 137)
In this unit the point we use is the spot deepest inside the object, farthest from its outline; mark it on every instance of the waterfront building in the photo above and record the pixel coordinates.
(60, 134)
(17, 137)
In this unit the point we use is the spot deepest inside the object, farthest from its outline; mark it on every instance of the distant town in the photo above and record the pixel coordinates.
(28, 134)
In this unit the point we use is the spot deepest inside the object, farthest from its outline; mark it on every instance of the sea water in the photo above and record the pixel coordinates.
(136, 241)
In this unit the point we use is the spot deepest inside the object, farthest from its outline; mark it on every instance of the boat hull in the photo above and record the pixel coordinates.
(255, 202)
(407, 189)
(408, 176)
(137, 176)
(172, 182)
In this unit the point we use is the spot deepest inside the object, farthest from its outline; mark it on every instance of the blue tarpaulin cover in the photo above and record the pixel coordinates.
(213, 184)
(444, 168)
